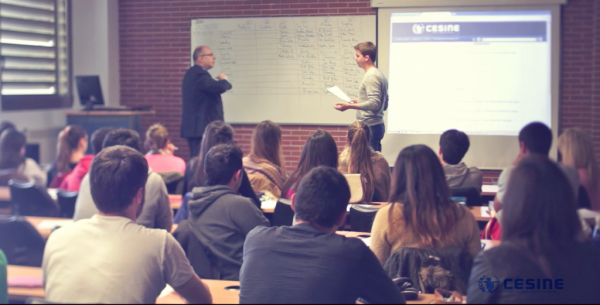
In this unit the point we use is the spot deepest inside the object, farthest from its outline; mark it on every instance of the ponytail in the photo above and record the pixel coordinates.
(359, 136)
(156, 138)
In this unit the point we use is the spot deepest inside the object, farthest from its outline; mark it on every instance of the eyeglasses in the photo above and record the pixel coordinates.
(211, 54)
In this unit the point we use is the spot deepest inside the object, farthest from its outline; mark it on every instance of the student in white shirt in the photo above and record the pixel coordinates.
(109, 258)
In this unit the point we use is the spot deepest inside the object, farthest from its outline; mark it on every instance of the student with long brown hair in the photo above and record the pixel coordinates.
(320, 149)
(160, 157)
(420, 213)
(12, 157)
(71, 148)
(577, 151)
(264, 164)
(539, 253)
(217, 132)
(359, 158)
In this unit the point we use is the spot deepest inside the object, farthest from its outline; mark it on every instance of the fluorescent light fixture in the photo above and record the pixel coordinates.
(46, 91)
(49, 43)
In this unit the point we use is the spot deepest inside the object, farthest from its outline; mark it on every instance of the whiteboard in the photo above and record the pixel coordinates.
(280, 68)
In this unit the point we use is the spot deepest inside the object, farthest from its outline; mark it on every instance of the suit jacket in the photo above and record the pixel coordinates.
(201, 98)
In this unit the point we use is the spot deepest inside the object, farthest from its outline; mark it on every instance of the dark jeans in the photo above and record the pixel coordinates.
(194, 144)
(377, 133)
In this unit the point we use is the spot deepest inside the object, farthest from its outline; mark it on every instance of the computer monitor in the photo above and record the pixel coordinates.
(90, 92)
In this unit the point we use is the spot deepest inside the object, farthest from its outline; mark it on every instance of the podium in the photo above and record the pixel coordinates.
(94, 120)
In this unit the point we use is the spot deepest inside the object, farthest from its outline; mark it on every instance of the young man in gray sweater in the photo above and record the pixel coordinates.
(372, 95)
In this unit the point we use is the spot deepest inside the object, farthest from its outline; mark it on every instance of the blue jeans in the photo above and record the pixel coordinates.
(377, 133)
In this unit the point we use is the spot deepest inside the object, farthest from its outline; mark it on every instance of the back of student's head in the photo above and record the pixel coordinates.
(320, 149)
(98, 138)
(454, 144)
(322, 197)
(537, 137)
(539, 208)
(70, 139)
(577, 150)
(266, 142)
(156, 137)
(217, 132)
(419, 184)
(123, 136)
(116, 174)
(359, 162)
(221, 163)
(12, 142)
(4, 125)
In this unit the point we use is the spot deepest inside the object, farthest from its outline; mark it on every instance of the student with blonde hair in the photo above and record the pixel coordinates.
(160, 157)
(359, 158)
(264, 164)
(577, 151)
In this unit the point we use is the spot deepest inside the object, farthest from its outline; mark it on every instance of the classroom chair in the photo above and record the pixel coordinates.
(66, 201)
(472, 195)
(31, 200)
(283, 215)
(21, 242)
(361, 218)
(202, 260)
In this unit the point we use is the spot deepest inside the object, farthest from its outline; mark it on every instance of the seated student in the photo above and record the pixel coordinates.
(359, 158)
(577, 150)
(320, 149)
(4, 125)
(219, 217)
(264, 164)
(539, 260)
(156, 212)
(307, 262)
(160, 157)
(71, 148)
(12, 157)
(109, 258)
(420, 213)
(72, 181)
(217, 132)
(454, 145)
(534, 139)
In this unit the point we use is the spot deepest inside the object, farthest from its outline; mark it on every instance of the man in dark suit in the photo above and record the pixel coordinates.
(201, 98)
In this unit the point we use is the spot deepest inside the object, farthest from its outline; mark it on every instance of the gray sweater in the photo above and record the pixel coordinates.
(221, 220)
(372, 98)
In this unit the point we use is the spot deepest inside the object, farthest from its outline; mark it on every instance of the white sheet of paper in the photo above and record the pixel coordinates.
(489, 188)
(50, 224)
(269, 204)
(367, 241)
(485, 212)
(587, 214)
(168, 290)
(52, 193)
(339, 93)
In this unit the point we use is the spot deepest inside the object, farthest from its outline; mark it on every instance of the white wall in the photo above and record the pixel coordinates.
(95, 51)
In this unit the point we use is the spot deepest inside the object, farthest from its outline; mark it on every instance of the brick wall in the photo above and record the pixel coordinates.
(155, 44)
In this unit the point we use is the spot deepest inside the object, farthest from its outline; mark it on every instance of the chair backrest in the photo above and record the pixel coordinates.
(21, 242)
(283, 215)
(361, 218)
(66, 201)
(173, 181)
(31, 200)
(431, 268)
(472, 195)
(357, 191)
(201, 259)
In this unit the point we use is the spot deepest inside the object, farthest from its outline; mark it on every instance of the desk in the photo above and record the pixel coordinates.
(489, 244)
(45, 232)
(175, 201)
(4, 193)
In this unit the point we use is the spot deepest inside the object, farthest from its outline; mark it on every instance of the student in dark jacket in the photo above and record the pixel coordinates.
(539, 245)
(218, 216)
(308, 263)
(201, 97)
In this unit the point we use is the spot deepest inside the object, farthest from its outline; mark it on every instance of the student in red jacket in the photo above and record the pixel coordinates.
(72, 181)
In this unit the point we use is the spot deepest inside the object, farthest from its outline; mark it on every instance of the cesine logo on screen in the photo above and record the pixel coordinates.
(418, 29)
(489, 285)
